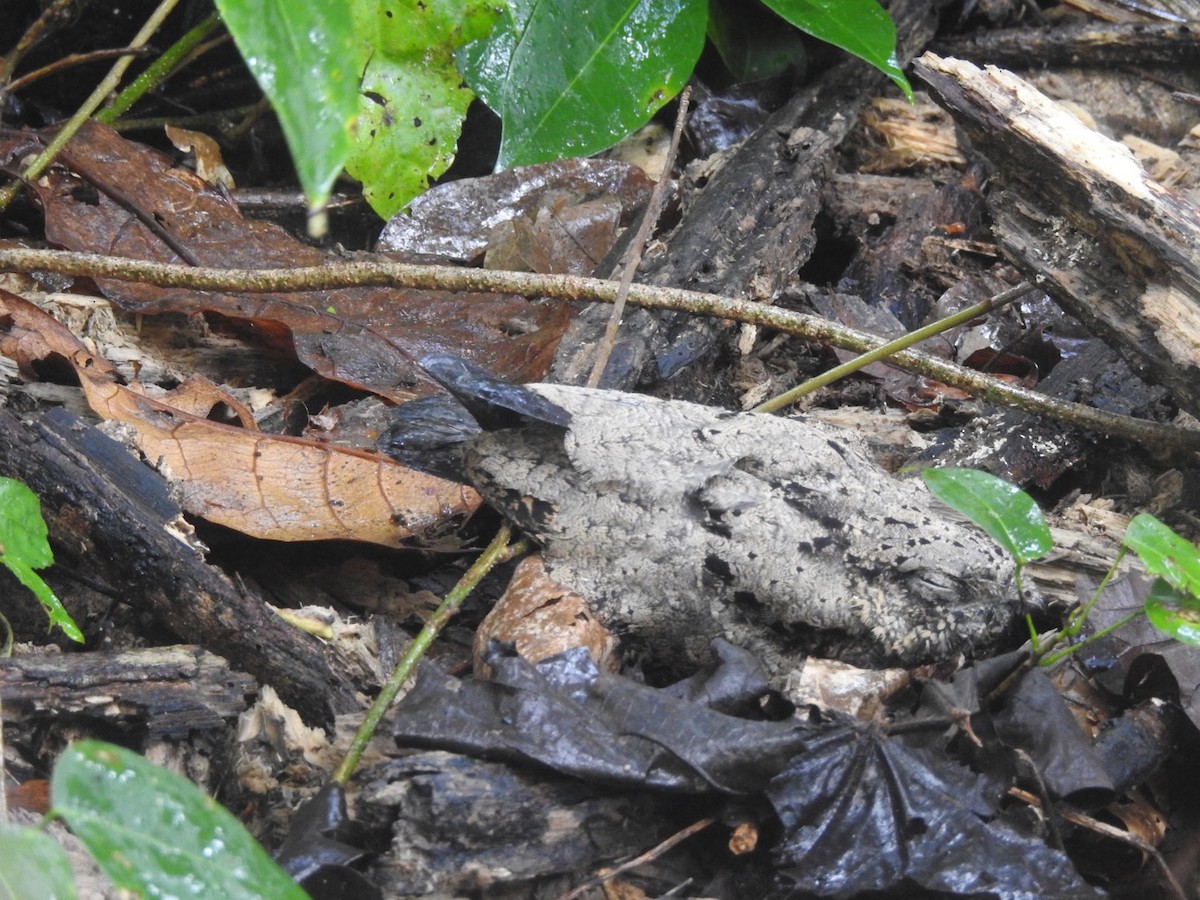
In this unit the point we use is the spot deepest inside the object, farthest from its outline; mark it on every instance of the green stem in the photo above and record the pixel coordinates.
(1076, 619)
(497, 551)
(1067, 651)
(103, 89)
(158, 71)
(1075, 624)
(901, 343)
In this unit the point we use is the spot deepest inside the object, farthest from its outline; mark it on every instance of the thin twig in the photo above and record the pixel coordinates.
(634, 255)
(67, 62)
(568, 287)
(103, 89)
(649, 856)
(41, 28)
(880, 354)
(497, 551)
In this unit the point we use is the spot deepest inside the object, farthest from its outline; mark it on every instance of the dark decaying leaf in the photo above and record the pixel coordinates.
(1033, 717)
(967, 687)
(144, 208)
(454, 220)
(1138, 644)
(491, 403)
(316, 853)
(461, 826)
(863, 812)
(606, 729)
(428, 434)
(1036, 719)
(860, 811)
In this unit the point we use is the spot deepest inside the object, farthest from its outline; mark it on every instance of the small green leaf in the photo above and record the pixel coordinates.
(24, 547)
(1165, 553)
(23, 531)
(308, 61)
(54, 609)
(412, 100)
(570, 79)
(1173, 612)
(32, 864)
(860, 27)
(1004, 511)
(155, 833)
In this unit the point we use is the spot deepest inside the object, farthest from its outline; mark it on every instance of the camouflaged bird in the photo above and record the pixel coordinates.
(682, 523)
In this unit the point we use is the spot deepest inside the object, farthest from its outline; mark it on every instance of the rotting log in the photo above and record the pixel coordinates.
(1086, 44)
(110, 517)
(1076, 212)
(166, 693)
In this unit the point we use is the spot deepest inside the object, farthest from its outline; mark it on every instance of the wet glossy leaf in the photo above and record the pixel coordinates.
(860, 27)
(24, 548)
(307, 60)
(1174, 612)
(155, 833)
(32, 864)
(1009, 515)
(569, 79)
(1165, 553)
(412, 101)
(753, 43)
(864, 812)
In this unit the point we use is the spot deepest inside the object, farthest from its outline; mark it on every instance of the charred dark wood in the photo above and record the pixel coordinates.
(110, 517)
(885, 270)
(460, 824)
(1081, 216)
(163, 693)
(1035, 452)
(858, 202)
(747, 228)
(1089, 44)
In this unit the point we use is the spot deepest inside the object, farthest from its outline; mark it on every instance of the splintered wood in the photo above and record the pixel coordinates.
(1077, 213)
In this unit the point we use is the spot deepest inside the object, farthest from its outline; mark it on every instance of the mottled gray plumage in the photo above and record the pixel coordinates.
(683, 523)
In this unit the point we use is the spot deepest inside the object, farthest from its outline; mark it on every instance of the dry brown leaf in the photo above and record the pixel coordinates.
(113, 196)
(543, 618)
(207, 155)
(266, 486)
(278, 487)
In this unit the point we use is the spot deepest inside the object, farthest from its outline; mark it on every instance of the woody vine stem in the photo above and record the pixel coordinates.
(573, 288)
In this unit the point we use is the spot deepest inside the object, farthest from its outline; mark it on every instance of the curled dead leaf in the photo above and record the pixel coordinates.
(543, 618)
(267, 486)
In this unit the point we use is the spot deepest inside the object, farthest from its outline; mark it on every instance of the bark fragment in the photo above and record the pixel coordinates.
(1081, 216)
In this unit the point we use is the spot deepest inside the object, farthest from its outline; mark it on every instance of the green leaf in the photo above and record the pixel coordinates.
(1174, 612)
(155, 833)
(412, 100)
(570, 78)
(23, 531)
(24, 547)
(1165, 553)
(860, 27)
(54, 609)
(753, 42)
(1009, 515)
(307, 60)
(32, 864)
